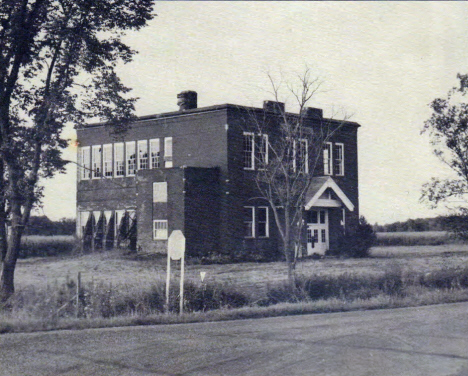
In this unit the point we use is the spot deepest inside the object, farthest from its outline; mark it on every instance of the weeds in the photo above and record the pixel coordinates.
(106, 305)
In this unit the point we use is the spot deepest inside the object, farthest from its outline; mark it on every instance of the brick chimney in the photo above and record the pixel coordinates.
(187, 100)
(314, 113)
(272, 106)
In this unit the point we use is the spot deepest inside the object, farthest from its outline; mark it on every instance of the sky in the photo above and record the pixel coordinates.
(381, 63)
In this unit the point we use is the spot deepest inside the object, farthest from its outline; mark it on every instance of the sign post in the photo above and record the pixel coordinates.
(176, 251)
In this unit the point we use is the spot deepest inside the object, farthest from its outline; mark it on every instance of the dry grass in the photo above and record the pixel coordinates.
(43, 246)
(416, 238)
(124, 272)
(126, 290)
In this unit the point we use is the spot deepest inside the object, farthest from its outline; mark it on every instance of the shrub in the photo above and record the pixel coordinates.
(358, 243)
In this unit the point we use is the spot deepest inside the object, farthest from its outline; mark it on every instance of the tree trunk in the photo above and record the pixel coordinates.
(7, 286)
(290, 261)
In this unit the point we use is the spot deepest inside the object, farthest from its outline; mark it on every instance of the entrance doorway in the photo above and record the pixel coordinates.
(317, 232)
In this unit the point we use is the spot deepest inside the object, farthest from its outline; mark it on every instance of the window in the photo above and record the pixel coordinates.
(85, 166)
(249, 221)
(130, 158)
(168, 152)
(322, 216)
(159, 229)
(96, 157)
(118, 216)
(327, 159)
(155, 153)
(160, 192)
(143, 155)
(119, 160)
(262, 151)
(324, 236)
(338, 163)
(301, 156)
(248, 151)
(310, 238)
(263, 228)
(313, 216)
(107, 157)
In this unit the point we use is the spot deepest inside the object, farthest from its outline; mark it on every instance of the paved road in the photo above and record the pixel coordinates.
(415, 341)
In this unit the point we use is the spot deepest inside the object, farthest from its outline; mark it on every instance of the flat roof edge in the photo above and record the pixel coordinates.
(205, 110)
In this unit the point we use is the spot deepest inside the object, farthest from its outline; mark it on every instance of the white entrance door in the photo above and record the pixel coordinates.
(317, 232)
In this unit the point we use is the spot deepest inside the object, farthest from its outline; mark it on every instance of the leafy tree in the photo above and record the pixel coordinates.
(58, 63)
(295, 145)
(448, 130)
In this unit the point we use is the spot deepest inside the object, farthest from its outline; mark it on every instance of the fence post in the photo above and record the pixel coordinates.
(78, 294)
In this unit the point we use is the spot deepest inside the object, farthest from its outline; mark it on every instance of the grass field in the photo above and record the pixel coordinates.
(43, 246)
(416, 238)
(126, 272)
(123, 289)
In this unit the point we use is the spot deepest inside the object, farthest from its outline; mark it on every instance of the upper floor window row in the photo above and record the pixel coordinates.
(256, 153)
(123, 158)
(333, 159)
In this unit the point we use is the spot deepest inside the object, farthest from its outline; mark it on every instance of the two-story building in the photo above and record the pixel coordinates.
(193, 170)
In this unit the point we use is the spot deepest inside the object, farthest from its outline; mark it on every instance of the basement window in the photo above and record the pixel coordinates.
(159, 229)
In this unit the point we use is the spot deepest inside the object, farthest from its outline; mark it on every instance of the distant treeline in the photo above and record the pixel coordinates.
(42, 225)
(440, 223)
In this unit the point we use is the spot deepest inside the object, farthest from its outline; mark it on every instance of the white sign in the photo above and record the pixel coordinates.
(202, 276)
(176, 245)
(175, 251)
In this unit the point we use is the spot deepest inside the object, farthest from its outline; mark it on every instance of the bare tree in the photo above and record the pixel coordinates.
(290, 148)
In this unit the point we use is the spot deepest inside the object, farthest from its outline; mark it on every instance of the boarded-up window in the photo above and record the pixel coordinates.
(160, 192)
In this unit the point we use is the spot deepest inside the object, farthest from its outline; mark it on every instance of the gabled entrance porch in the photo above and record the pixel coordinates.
(326, 207)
